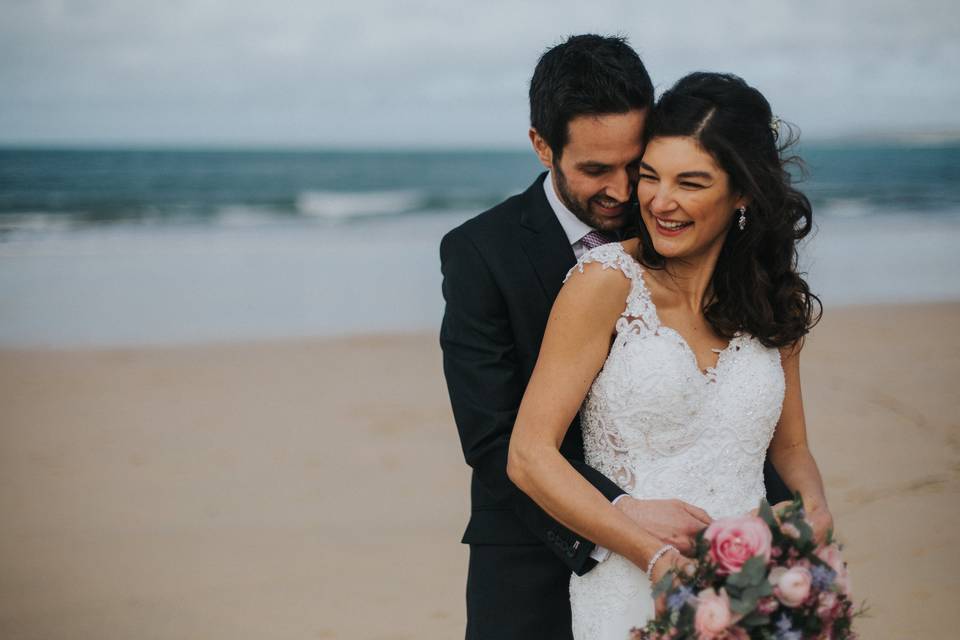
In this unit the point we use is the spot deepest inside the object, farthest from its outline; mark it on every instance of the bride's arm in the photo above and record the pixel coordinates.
(574, 348)
(790, 453)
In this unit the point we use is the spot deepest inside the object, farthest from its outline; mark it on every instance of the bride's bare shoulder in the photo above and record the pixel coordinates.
(600, 280)
(632, 247)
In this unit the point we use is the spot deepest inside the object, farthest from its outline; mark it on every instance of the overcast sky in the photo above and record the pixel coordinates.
(372, 73)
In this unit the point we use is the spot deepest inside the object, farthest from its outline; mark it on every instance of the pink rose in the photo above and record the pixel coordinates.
(793, 585)
(733, 541)
(766, 606)
(713, 614)
(827, 605)
(831, 555)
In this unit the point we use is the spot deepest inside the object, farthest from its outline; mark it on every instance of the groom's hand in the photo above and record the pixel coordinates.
(673, 521)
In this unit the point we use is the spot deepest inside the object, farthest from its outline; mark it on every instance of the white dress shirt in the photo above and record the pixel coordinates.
(575, 228)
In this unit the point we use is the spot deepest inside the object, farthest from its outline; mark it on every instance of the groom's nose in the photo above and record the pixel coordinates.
(619, 186)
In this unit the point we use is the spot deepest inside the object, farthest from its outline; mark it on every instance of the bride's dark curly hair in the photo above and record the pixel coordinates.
(756, 287)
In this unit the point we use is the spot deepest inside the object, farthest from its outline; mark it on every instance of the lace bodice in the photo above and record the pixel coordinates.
(661, 428)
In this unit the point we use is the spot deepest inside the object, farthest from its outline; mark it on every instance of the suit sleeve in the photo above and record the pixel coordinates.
(486, 386)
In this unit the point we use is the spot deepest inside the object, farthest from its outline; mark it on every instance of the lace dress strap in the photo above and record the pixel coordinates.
(639, 314)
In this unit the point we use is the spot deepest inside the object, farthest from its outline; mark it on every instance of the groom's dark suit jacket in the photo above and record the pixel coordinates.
(502, 271)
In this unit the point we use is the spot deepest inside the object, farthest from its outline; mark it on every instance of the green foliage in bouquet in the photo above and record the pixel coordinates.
(760, 577)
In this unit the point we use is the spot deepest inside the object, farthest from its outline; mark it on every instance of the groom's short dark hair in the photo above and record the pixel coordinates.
(586, 75)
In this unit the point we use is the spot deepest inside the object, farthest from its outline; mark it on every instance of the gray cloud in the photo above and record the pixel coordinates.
(432, 73)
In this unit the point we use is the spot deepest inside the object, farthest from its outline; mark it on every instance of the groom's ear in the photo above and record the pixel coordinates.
(541, 148)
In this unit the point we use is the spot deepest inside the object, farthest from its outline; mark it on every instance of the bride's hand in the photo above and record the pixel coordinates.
(821, 520)
(775, 508)
(679, 564)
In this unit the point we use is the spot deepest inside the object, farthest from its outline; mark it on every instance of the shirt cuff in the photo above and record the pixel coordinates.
(602, 553)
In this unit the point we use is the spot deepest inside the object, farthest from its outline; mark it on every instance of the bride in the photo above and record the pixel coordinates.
(681, 349)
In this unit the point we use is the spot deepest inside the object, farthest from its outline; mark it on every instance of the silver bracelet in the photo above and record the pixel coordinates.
(659, 554)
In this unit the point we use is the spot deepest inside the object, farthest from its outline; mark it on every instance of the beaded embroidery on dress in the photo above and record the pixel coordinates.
(661, 428)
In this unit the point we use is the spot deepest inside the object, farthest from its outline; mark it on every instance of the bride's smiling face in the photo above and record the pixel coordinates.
(686, 201)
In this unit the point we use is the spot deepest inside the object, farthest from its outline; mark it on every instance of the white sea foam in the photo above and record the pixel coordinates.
(339, 205)
(34, 222)
(246, 215)
(846, 208)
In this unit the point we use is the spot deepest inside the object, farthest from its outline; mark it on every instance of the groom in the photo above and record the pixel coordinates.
(589, 98)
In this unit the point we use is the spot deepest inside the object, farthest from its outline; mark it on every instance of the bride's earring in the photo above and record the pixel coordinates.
(742, 222)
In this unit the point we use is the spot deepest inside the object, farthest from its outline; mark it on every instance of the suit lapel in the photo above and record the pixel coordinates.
(544, 241)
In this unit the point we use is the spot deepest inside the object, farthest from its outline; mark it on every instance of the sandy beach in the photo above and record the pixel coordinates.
(315, 489)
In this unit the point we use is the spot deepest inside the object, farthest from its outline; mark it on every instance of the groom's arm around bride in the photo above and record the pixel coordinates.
(501, 273)
(520, 557)
(496, 312)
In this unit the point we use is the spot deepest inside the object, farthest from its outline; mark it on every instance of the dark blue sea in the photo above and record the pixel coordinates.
(47, 188)
(117, 247)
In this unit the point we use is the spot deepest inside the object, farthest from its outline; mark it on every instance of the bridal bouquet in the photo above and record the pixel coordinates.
(758, 578)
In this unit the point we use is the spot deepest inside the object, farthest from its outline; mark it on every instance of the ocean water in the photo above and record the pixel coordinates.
(44, 189)
(113, 247)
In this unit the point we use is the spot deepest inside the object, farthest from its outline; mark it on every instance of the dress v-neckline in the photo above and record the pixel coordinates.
(709, 374)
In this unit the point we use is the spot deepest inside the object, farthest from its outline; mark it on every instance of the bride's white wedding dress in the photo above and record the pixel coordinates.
(662, 428)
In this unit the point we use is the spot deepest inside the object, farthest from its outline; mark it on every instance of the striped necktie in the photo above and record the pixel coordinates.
(596, 238)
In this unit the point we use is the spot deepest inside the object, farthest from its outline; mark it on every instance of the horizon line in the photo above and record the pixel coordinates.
(927, 138)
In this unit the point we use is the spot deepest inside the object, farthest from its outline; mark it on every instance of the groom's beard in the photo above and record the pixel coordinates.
(581, 208)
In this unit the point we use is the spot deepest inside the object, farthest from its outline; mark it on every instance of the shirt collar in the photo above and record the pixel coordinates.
(574, 227)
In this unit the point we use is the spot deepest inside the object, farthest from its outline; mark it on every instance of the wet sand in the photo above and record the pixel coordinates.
(316, 489)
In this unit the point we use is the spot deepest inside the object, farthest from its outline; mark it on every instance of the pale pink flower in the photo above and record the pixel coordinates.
(733, 541)
(713, 614)
(793, 585)
(831, 555)
(827, 603)
(767, 606)
(790, 530)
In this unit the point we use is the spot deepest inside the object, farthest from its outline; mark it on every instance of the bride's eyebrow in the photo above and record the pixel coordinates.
(695, 174)
(643, 165)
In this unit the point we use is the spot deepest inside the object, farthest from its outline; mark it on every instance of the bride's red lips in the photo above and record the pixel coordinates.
(666, 231)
